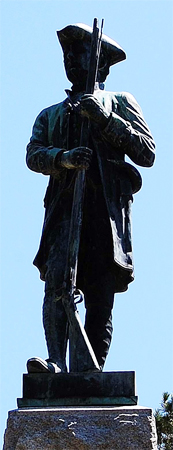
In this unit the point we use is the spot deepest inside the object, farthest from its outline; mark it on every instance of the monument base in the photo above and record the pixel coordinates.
(78, 389)
(82, 428)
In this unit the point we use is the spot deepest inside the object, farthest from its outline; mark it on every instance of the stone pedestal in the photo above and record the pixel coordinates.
(81, 428)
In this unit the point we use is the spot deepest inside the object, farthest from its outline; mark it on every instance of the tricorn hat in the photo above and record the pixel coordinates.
(80, 31)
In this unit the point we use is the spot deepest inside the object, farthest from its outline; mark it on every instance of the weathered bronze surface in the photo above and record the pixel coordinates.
(104, 261)
(106, 388)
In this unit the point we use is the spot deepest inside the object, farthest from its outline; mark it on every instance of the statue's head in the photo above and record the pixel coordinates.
(76, 41)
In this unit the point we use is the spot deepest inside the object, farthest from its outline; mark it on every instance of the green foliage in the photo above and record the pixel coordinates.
(164, 423)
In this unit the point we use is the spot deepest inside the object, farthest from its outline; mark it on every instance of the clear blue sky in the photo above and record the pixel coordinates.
(32, 78)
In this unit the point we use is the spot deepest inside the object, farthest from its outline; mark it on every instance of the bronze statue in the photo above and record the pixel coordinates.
(105, 262)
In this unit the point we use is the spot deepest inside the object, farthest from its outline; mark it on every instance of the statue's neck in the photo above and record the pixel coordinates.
(79, 87)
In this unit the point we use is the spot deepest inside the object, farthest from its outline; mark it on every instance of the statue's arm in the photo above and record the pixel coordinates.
(40, 156)
(48, 160)
(128, 130)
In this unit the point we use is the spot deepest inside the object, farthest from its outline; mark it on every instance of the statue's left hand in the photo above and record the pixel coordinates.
(91, 107)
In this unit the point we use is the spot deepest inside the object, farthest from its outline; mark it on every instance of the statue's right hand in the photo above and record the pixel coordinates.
(77, 158)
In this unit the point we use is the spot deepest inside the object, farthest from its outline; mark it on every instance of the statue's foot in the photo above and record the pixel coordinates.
(37, 365)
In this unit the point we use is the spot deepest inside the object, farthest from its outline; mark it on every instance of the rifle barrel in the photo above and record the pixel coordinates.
(81, 353)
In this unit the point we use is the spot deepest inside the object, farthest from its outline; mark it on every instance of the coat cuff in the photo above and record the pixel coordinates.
(50, 164)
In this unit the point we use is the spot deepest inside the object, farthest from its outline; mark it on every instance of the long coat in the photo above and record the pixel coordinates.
(57, 128)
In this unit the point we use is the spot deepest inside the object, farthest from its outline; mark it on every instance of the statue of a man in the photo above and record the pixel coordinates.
(105, 262)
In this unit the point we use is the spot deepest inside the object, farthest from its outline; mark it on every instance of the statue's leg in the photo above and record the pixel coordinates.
(56, 333)
(99, 299)
(98, 326)
(56, 330)
(54, 316)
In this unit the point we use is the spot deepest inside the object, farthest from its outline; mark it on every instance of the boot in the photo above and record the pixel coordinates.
(98, 326)
(56, 331)
(39, 365)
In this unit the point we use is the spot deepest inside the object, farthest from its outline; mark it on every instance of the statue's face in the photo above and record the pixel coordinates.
(76, 59)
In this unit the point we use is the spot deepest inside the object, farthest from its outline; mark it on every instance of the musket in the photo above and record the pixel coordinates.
(81, 354)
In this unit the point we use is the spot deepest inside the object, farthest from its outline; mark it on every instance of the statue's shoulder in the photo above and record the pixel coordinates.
(122, 100)
(120, 97)
(52, 110)
(128, 100)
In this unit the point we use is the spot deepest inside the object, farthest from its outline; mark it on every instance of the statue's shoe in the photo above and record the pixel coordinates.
(37, 365)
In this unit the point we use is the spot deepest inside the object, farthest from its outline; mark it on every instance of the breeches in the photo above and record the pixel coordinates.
(96, 272)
